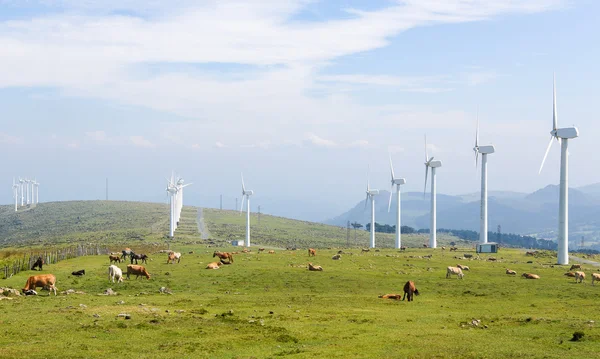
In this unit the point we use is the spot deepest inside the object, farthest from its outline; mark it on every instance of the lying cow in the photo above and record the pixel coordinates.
(336, 257)
(454, 271)
(570, 274)
(409, 290)
(595, 277)
(510, 271)
(46, 281)
(78, 273)
(530, 276)
(214, 265)
(115, 272)
(137, 270)
(314, 268)
(579, 276)
(391, 296)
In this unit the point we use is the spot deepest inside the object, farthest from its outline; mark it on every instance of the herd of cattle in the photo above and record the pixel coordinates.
(115, 274)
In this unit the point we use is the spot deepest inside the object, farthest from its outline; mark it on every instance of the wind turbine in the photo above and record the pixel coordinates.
(430, 163)
(484, 150)
(172, 193)
(15, 193)
(246, 194)
(398, 182)
(371, 193)
(37, 191)
(562, 135)
(21, 182)
(27, 190)
(180, 187)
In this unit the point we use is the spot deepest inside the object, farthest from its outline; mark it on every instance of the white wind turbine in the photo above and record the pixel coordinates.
(27, 182)
(484, 150)
(430, 163)
(246, 195)
(15, 193)
(37, 191)
(179, 202)
(371, 193)
(397, 182)
(562, 135)
(21, 183)
(172, 193)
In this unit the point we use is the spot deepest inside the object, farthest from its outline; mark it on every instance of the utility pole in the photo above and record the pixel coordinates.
(221, 203)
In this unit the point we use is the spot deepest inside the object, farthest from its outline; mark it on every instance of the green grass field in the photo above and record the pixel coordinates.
(270, 306)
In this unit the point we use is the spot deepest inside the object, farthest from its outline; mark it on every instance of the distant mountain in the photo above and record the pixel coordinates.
(521, 213)
(593, 189)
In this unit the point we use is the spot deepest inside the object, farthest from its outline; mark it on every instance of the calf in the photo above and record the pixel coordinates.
(454, 271)
(114, 258)
(409, 290)
(314, 268)
(510, 271)
(579, 276)
(595, 277)
(115, 272)
(530, 276)
(43, 280)
(213, 265)
(137, 270)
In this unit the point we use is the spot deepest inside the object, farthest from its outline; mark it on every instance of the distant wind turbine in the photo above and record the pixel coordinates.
(371, 193)
(172, 192)
(484, 150)
(15, 193)
(246, 195)
(396, 182)
(562, 135)
(430, 163)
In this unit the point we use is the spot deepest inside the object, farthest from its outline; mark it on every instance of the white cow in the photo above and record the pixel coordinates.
(595, 277)
(115, 272)
(454, 270)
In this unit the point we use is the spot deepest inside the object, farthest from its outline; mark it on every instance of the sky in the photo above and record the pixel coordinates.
(304, 97)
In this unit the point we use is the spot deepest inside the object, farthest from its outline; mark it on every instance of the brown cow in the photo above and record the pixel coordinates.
(271, 252)
(314, 268)
(224, 255)
(575, 266)
(114, 258)
(409, 290)
(570, 274)
(312, 252)
(137, 270)
(391, 296)
(42, 280)
(173, 256)
(530, 276)
(213, 265)
(579, 276)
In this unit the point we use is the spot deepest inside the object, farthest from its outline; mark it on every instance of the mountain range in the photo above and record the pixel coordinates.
(521, 213)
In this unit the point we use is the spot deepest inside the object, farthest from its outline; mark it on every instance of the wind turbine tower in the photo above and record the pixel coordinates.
(15, 193)
(246, 195)
(21, 183)
(430, 163)
(562, 135)
(371, 193)
(172, 192)
(484, 150)
(397, 182)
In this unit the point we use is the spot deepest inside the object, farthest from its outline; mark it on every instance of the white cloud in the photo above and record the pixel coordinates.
(317, 141)
(10, 140)
(140, 141)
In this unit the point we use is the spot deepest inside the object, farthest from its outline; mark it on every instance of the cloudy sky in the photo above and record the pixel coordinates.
(302, 96)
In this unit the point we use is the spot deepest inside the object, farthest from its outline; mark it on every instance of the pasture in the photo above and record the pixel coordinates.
(271, 306)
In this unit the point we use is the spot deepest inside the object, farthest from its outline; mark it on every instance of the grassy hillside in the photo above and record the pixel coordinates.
(270, 305)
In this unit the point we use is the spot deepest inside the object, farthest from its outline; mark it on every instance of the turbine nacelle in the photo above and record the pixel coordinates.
(247, 193)
(567, 133)
(372, 192)
(434, 164)
(485, 150)
(398, 181)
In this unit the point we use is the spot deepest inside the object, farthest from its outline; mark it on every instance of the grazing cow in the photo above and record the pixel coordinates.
(114, 258)
(213, 265)
(530, 276)
(224, 255)
(575, 266)
(126, 253)
(409, 290)
(492, 259)
(78, 273)
(312, 252)
(271, 252)
(453, 249)
(425, 246)
(391, 296)
(463, 267)
(137, 270)
(510, 271)
(402, 249)
(314, 268)
(261, 250)
(336, 257)
(531, 253)
(115, 272)
(595, 277)
(454, 271)
(136, 257)
(39, 262)
(46, 281)
(223, 262)
(579, 276)
(174, 256)
(363, 250)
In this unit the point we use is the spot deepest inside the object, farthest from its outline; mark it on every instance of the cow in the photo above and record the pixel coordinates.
(402, 249)
(78, 273)
(312, 267)
(463, 267)
(453, 249)
(595, 277)
(510, 271)
(114, 258)
(115, 272)
(579, 276)
(43, 280)
(425, 246)
(570, 274)
(126, 253)
(271, 252)
(530, 276)
(312, 252)
(261, 250)
(213, 265)
(137, 270)
(409, 290)
(39, 262)
(136, 257)
(391, 296)
(575, 266)
(532, 254)
(336, 257)
(174, 256)
(224, 255)
(454, 271)
(492, 259)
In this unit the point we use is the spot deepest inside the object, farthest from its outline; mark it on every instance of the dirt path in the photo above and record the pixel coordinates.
(586, 261)
(202, 228)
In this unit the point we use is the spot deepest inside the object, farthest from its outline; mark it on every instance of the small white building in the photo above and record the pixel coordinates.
(237, 243)
(489, 247)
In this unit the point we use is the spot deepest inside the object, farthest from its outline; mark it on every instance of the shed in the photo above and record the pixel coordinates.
(237, 243)
(490, 247)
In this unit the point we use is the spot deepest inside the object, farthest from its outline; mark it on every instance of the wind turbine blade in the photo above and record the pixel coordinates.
(546, 155)
(425, 187)
(243, 187)
(554, 114)
(476, 159)
(242, 205)
(426, 154)
(390, 200)
(366, 199)
(392, 168)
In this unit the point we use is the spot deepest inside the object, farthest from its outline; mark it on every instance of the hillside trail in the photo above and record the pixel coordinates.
(202, 228)
(586, 261)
